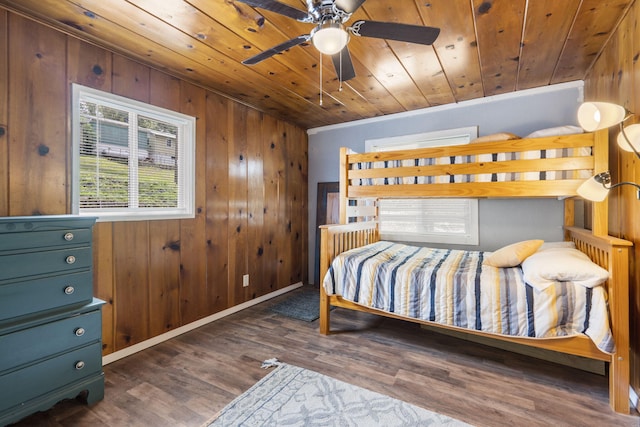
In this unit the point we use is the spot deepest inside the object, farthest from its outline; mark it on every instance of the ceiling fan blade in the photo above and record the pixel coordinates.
(343, 65)
(394, 31)
(349, 6)
(276, 49)
(281, 8)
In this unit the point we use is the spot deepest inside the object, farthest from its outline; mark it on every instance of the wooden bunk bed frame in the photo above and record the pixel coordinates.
(609, 252)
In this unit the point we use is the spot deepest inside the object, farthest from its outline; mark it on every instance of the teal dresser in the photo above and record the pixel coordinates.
(50, 324)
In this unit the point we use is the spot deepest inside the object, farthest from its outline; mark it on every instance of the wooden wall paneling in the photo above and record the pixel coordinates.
(131, 79)
(543, 16)
(457, 50)
(237, 158)
(297, 160)
(104, 281)
(499, 43)
(279, 165)
(217, 201)
(614, 86)
(131, 277)
(164, 236)
(298, 203)
(38, 120)
(164, 276)
(303, 204)
(193, 241)
(585, 38)
(410, 92)
(622, 163)
(271, 171)
(131, 239)
(90, 66)
(4, 112)
(420, 62)
(285, 249)
(255, 206)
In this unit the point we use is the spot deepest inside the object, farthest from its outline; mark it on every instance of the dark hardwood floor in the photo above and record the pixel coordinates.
(185, 381)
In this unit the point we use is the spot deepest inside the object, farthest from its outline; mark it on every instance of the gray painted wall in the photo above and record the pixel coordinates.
(502, 221)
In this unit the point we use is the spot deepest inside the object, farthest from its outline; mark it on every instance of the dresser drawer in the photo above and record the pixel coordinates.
(15, 267)
(35, 343)
(26, 297)
(39, 240)
(41, 378)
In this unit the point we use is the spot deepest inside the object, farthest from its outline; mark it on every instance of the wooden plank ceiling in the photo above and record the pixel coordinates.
(484, 48)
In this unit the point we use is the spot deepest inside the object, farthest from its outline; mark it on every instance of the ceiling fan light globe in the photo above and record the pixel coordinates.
(330, 39)
(594, 116)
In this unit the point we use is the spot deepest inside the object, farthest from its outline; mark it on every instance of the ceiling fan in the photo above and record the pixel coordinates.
(330, 36)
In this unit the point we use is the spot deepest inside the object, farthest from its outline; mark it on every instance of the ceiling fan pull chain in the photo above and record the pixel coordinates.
(340, 79)
(320, 78)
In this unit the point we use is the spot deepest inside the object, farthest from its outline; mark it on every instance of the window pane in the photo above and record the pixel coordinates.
(157, 172)
(104, 153)
(131, 160)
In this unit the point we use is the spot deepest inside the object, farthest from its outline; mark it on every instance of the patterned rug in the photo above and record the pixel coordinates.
(303, 304)
(294, 396)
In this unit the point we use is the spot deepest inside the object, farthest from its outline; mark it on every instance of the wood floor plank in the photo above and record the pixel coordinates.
(187, 380)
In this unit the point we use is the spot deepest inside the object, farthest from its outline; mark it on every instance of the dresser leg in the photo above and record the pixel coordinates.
(94, 392)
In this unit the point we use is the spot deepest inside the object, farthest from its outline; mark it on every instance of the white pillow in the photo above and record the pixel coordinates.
(546, 267)
(555, 131)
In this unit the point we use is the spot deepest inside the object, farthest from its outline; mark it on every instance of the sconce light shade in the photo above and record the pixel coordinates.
(633, 133)
(329, 38)
(594, 188)
(594, 116)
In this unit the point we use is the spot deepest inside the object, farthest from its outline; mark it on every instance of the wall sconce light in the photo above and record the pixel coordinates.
(598, 186)
(594, 116)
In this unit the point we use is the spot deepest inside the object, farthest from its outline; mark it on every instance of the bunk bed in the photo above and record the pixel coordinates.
(551, 167)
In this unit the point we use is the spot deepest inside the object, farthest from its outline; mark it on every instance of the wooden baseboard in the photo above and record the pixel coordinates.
(117, 355)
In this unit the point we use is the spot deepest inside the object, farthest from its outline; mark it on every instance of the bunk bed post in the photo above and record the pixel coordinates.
(344, 184)
(324, 266)
(600, 210)
(612, 254)
(569, 216)
(619, 367)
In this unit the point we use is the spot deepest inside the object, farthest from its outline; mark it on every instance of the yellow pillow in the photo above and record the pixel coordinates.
(502, 136)
(513, 254)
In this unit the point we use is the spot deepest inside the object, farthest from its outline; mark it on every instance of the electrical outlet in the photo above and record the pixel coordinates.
(245, 280)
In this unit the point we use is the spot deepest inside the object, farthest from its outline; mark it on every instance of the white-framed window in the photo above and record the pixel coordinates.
(426, 220)
(131, 160)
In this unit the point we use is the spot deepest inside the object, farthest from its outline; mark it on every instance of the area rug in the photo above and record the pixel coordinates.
(303, 304)
(293, 396)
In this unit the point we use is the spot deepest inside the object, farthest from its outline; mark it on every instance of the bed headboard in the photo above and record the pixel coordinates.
(521, 168)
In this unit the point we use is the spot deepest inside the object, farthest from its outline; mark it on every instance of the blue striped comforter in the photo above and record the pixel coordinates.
(453, 287)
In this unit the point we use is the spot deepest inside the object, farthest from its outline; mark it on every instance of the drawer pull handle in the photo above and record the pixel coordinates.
(79, 332)
(79, 365)
(69, 290)
(71, 259)
(68, 237)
